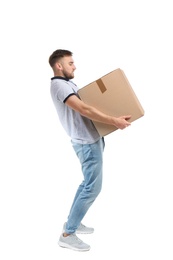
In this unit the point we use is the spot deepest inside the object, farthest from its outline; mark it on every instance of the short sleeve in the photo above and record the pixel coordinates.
(62, 90)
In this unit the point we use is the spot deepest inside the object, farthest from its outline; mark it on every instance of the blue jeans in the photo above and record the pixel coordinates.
(91, 159)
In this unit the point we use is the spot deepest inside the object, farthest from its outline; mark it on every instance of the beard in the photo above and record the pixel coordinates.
(68, 75)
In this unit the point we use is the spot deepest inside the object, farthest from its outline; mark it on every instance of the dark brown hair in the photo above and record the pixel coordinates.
(56, 55)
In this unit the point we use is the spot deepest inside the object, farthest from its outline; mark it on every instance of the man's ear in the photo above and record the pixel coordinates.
(58, 65)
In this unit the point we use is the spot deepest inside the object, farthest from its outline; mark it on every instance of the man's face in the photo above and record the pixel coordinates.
(67, 67)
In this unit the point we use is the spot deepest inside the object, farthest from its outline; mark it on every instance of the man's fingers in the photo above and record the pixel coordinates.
(127, 117)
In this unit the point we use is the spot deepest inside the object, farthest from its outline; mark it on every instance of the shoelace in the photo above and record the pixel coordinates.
(77, 239)
(82, 226)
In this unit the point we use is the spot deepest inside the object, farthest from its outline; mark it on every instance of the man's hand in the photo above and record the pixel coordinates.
(121, 122)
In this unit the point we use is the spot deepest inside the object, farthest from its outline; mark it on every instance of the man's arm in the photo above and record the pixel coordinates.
(94, 114)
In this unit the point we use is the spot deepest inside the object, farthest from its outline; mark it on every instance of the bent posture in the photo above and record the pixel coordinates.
(76, 118)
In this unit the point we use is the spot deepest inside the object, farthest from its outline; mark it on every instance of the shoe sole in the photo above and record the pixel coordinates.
(64, 245)
(83, 232)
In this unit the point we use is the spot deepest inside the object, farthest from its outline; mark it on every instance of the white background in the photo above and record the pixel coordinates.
(39, 172)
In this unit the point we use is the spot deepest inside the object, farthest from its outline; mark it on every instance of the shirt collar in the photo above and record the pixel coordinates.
(59, 77)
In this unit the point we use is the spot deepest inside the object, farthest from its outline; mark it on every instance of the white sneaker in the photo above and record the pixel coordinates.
(73, 242)
(82, 229)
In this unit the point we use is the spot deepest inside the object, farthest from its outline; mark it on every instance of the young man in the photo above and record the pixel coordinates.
(76, 118)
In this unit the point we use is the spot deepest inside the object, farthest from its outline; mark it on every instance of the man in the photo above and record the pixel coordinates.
(76, 118)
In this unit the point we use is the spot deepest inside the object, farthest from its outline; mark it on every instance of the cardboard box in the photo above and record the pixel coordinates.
(113, 95)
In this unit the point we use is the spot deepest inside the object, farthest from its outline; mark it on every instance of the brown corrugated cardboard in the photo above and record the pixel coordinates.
(113, 95)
